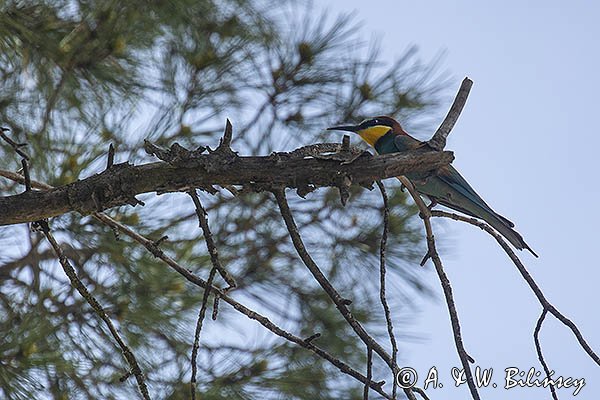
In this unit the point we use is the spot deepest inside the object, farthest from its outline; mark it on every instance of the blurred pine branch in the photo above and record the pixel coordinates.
(78, 75)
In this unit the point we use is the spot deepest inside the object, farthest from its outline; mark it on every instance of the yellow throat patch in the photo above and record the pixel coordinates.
(373, 133)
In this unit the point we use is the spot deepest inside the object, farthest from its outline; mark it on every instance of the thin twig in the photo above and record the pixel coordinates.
(264, 321)
(215, 311)
(199, 322)
(528, 278)
(13, 176)
(382, 272)
(538, 348)
(77, 284)
(16, 146)
(369, 373)
(322, 280)
(214, 257)
(432, 253)
(26, 175)
(54, 97)
(333, 294)
(438, 140)
(210, 243)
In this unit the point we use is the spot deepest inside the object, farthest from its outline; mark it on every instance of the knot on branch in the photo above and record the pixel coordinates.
(179, 156)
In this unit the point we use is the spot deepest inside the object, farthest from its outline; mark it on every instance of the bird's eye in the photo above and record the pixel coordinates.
(376, 121)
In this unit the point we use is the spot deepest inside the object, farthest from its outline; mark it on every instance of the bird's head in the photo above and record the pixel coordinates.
(372, 129)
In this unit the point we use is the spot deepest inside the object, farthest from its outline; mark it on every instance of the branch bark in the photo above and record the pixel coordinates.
(438, 140)
(119, 184)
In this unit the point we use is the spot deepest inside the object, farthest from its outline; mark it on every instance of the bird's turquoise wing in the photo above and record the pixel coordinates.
(450, 184)
(455, 180)
(403, 143)
(450, 189)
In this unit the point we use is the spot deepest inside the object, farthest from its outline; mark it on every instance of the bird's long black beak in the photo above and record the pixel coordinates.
(348, 128)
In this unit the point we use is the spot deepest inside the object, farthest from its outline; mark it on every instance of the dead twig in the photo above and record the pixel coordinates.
(13, 176)
(369, 373)
(528, 278)
(16, 146)
(438, 140)
(26, 175)
(214, 256)
(99, 310)
(382, 272)
(199, 322)
(210, 243)
(227, 135)
(333, 294)
(432, 253)
(186, 169)
(538, 349)
(264, 321)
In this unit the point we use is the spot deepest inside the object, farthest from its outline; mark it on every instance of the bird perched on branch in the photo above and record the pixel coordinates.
(447, 187)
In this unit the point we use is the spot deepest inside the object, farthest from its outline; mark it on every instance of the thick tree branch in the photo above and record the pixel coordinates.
(120, 184)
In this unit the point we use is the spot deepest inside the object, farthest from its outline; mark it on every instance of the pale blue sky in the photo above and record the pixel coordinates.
(527, 142)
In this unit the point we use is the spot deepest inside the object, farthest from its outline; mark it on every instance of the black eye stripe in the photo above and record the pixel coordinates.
(372, 122)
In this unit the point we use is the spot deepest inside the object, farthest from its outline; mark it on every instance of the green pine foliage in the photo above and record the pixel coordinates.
(78, 75)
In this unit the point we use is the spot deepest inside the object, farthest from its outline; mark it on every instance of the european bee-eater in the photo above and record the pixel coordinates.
(447, 187)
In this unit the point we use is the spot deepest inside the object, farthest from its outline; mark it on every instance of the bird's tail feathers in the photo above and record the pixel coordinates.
(498, 223)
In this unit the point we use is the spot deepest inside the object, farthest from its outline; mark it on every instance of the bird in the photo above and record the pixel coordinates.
(446, 187)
